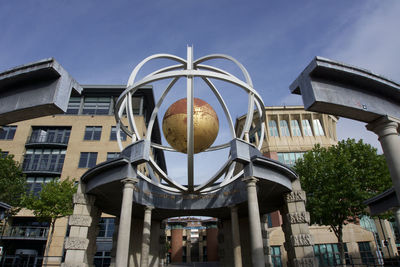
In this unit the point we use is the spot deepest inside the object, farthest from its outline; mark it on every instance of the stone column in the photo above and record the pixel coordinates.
(144, 259)
(188, 246)
(114, 242)
(298, 240)
(266, 244)
(388, 136)
(237, 250)
(80, 245)
(256, 242)
(124, 228)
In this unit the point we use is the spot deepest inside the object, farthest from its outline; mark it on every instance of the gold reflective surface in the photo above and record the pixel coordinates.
(205, 123)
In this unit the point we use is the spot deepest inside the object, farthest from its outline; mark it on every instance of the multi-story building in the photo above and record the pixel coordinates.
(64, 147)
(192, 240)
(290, 132)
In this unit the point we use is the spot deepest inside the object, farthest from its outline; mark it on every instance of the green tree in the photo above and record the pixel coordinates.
(53, 201)
(12, 183)
(338, 179)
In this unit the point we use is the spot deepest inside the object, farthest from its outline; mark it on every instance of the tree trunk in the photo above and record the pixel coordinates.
(341, 245)
(53, 221)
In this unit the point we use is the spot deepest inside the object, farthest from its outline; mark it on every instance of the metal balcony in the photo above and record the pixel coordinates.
(52, 169)
(26, 233)
(47, 141)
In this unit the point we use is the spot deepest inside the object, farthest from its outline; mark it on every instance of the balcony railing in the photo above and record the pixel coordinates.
(26, 232)
(56, 168)
(48, 139)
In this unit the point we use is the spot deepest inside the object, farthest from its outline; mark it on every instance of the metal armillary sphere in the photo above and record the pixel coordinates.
(189, 69)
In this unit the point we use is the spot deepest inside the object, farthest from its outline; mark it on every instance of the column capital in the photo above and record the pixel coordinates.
(129, 181)
(384, 126)
(233, 208)
(148, 208)
(250, 180)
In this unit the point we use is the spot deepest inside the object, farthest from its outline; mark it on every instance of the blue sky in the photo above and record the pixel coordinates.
(100, 42)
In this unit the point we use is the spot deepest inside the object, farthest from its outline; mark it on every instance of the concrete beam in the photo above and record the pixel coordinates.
(343, 90)
(34, 90)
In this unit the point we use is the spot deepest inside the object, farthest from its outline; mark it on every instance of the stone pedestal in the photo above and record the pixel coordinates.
(80, 245)
(265, 235)
(296, 220)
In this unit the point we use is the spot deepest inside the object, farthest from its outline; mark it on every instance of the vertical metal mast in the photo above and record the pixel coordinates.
(189, 112)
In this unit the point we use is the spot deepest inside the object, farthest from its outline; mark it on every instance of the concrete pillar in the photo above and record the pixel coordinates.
(256, 242)
(144, 259)
(237, 250)
(298, 240)
(124, 228)
(388, 136)
(80, 246)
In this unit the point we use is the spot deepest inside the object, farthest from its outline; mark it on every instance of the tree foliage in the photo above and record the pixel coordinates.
(12, 182)
(53, 201)
(338, 179)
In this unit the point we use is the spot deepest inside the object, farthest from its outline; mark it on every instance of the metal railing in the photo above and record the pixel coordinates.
(38, 139)
(56, 168)
(26, 232)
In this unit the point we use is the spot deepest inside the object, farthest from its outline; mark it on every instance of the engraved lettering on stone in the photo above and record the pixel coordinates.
(76, 243)
(304, 262)
(80, 220)
(74, 264)
(298, 217)
(295, 196)
(301, 240)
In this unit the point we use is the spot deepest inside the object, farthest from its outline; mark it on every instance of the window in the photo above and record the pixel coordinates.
(50, 135)
(365, 253)
(106, 227)
(328, 254)
(112, 155)
(306, 128)
(113, 134)
(102, 259)
(96, 105)
(73, 105)
(289, 158)
(318, 128)
(276, 256)
(3, 154)
(7, 132)
(273, 130)
(87, 160)
(284, 128)
(34, 184)
(48, 160)
(295, 128)
(92, 133)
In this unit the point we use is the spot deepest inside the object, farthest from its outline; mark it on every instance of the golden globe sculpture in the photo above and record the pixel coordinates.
(205, 124)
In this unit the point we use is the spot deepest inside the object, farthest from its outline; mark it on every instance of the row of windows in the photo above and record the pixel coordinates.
(89, 159)
(99, 105)
(289, 158)
(295, 127)
(328, 254)
(94, 133)
(34, 184)
(58, 135)
(49, 160)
